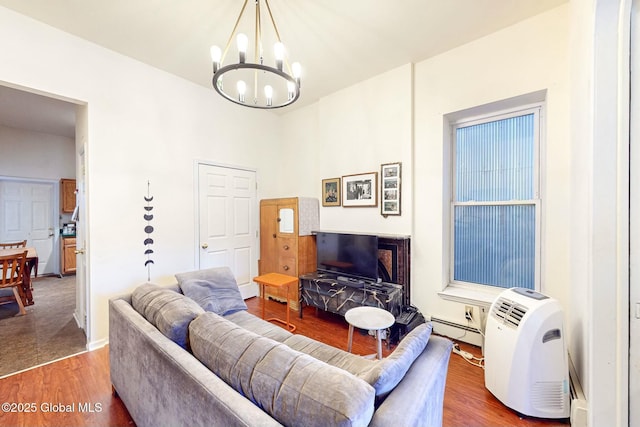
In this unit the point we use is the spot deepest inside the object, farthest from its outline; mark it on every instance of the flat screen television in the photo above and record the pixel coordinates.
(350, 255)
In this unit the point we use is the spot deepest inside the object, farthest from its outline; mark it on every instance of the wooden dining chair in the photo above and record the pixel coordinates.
(11, 268)
(13, 245)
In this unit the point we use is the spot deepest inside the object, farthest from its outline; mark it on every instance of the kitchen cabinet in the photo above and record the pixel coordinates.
(67, 195)
(286, 243)
(68, 255)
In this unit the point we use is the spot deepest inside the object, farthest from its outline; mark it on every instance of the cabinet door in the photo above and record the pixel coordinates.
(67, 195)
(287, 218)
(68, 255)
(268, 236)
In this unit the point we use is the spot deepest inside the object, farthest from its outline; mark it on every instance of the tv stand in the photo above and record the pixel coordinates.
(337, 294)
(352, 281)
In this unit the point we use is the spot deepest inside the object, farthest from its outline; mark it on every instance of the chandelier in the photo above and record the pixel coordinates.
(269, 86)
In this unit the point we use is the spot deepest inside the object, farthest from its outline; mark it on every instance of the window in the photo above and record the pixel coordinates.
(495, 200)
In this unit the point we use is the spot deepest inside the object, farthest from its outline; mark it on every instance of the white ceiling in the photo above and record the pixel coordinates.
(337, 42)
(24, 110)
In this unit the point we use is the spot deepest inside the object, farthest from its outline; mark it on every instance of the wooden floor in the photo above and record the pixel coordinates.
(77, 391)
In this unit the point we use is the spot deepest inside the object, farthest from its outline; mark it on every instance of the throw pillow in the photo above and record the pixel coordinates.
(214, 289)
(294, 388)
(387, 373)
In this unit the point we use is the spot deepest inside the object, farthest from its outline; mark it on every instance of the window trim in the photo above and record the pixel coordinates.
(474, 293)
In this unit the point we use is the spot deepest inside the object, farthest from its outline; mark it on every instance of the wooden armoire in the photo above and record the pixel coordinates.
(286, 243)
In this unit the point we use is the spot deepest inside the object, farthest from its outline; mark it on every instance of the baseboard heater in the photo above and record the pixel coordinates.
(578, 399)
(457, 331)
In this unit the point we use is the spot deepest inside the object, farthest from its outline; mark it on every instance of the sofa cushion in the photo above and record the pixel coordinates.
(167, 310)
(258, 326)
(140, 296)
(330, 355)
(383, 374)
(214, 289)
(292, 387)
(388, 372)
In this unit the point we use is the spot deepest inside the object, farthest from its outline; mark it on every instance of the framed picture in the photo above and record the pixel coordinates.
(360, 190)
(331, 192)
(391, 176)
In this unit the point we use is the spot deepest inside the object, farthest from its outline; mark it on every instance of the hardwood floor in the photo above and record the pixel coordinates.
(71, 392)
(80, 385)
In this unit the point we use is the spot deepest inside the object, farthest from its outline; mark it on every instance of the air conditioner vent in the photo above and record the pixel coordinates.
(508, 312)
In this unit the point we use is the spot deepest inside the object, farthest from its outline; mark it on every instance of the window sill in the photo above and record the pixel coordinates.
(471, 295)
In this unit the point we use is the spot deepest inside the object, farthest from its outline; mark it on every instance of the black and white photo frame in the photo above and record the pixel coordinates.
(360, 190)
(391, 177)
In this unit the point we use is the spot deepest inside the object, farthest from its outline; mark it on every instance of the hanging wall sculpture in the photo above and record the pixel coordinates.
(148, 216)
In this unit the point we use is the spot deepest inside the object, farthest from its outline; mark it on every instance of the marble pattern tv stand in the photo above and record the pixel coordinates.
(328, 292)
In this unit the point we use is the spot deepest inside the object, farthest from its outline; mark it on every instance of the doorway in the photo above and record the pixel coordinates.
(39, 139)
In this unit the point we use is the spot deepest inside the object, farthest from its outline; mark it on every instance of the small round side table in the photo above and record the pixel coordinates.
(369, 318)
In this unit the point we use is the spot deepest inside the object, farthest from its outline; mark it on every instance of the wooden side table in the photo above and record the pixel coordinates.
(370, 318)
(277, 280)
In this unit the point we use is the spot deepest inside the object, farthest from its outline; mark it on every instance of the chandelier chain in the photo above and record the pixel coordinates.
(233, 32)
(275, 28)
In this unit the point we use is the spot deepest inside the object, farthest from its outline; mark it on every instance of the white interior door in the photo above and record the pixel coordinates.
(82, 304)
(228, 223)
(27, 213)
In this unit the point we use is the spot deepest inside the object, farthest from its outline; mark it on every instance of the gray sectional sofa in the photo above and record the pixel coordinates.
(191, 355)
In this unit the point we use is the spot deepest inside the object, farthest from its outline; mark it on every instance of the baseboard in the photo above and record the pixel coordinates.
(457, 331)
(94, 345)
(78, 322)
(579, 407)
(249, 291)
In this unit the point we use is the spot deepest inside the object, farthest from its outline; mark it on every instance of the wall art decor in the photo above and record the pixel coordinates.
(391, 177)
(148, 229)
(331, 192)
(360, 190)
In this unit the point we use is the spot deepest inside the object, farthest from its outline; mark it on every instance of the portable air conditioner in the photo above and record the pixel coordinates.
(525, 357)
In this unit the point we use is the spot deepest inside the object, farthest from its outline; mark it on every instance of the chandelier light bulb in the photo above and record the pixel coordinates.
(243, 42)
(216, 56)
(268, 93)
(278, 50)
(291, 89)
(242, 88)
(296, 69)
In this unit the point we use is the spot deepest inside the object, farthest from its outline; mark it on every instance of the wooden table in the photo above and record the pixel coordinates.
(276, 280)
(30, 265)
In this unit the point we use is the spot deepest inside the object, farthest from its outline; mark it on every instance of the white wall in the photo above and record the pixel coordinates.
(350, 132)
(27, 154)
(143, 124)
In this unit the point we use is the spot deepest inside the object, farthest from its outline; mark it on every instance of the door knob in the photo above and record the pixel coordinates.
(79, 251)
(205, 245)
